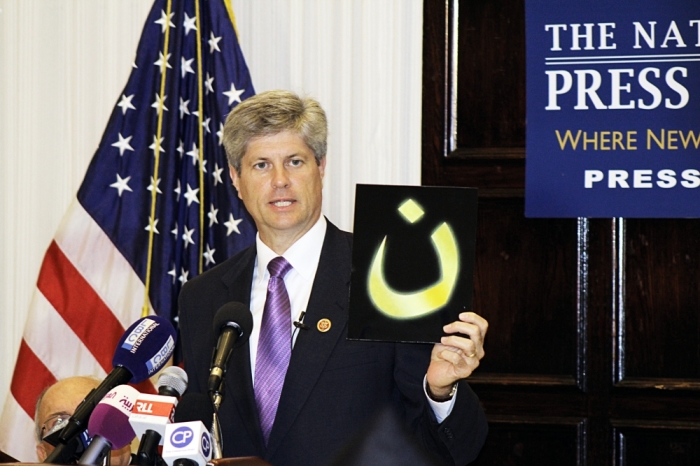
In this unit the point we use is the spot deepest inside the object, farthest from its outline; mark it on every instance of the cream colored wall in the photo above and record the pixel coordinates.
(63, 64)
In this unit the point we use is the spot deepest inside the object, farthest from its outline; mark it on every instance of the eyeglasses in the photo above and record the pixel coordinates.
(54, 424)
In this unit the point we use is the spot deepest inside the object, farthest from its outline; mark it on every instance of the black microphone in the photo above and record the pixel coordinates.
(68, 453)
(147, 454)
(143, 350)
(233, 323)
(299, 323)
(195, 407)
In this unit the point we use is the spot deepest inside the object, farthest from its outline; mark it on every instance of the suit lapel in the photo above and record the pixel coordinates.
(329, 300)
(238, 377)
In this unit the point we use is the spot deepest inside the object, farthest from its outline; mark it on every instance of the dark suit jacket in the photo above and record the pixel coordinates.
(333, 386)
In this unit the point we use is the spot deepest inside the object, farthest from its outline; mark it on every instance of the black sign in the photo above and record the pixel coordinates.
(413, 261)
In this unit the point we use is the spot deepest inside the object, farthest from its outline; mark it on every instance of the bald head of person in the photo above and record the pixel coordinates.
(55, 406)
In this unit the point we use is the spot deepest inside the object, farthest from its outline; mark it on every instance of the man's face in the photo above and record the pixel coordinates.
(281, 186)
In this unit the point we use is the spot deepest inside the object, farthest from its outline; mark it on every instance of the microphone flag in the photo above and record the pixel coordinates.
(154, 210)
(187, 440)
(110, 419)
(109, 425)
(152, 412)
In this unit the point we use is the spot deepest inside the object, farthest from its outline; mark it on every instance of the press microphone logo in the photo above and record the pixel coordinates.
(161, 356)
(206, 444)
(124, 402)
(138, 334)
(127, 404)
(181, 437)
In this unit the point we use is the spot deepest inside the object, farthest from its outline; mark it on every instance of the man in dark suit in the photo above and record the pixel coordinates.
(333, 387)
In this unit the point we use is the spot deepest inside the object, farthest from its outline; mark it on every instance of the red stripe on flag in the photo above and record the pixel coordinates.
(80, 306)
(30, 378)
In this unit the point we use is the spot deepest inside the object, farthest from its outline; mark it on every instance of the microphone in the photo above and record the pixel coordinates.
(195, 407)
(143, 350)
(172, 381)
(153, 412)
(147, 454)
(299, 323)
(69, 453)
(109, 424)
(187, 444)
(199, 407)
(233, 323)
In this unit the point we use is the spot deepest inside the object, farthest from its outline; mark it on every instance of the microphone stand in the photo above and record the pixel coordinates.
(217, 397)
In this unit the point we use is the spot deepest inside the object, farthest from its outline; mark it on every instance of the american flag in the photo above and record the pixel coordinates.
(155, 209)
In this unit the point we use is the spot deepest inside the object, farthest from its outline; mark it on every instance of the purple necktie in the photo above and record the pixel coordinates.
(274, 345)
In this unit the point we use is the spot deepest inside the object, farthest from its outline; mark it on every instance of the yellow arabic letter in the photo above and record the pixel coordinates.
(419, 303)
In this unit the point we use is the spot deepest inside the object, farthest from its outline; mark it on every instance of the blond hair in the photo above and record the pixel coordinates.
(272, 112)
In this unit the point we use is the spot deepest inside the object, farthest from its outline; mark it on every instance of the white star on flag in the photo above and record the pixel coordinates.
(209, 84)
(234, 95)
(209, 255)
(184, 110)
(220, 133)
(189, 24)
(232, 225)
(155, 227)
(121, 184)
(186, 66)
(160, 103)
(187, 236)
(155, 143)
(125, 103)
(214, 43)
(165, 20)
(212, 215)
(157, 182)
(191, 195)
(123, 144)
(194, 153)
(162, 62)
(217, 174)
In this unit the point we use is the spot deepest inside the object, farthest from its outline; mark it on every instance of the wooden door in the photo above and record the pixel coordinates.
(593, 351)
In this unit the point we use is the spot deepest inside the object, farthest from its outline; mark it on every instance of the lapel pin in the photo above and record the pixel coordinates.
(323, 325)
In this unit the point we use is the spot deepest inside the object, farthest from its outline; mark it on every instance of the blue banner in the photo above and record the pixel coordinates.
(613, 108)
